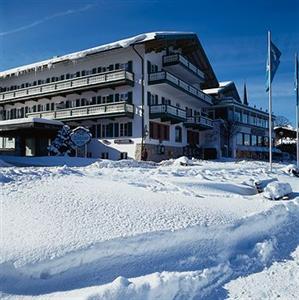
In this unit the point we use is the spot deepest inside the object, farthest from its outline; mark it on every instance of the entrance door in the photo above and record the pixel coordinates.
(30, 147)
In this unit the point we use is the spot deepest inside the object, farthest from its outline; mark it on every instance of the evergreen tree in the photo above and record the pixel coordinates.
(62, 144)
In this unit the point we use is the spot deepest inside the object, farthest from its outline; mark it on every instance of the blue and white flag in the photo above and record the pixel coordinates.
(275, 56)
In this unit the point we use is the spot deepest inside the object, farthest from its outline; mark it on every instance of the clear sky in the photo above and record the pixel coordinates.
(233, 34)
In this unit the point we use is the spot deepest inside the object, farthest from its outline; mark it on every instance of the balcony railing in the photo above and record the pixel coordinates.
(199, 122)
(173, 59)
(99, 110)
(70, 84)
(167, 113)
(163, 76)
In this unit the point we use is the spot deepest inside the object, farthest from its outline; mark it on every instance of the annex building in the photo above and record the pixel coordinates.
(156, 91)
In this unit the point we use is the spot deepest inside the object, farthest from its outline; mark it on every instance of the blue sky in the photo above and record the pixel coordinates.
(233, 33)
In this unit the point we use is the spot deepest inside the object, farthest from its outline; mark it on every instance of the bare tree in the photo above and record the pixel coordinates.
(231, 128)
(281, 121)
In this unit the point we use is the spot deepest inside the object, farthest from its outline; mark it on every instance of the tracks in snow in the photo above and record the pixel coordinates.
(243, 247)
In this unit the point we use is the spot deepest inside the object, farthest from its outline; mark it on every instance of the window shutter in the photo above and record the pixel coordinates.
(110, 98)
(99, 132)
(116, 130)
(149, 67)
(130, 66)
(130, 129)
(149, 98)
(130, 97)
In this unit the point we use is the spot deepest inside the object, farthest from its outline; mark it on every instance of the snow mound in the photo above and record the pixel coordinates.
(4, 179)
(124, 163)
(290, 169)
(181, 161)
(276, 190)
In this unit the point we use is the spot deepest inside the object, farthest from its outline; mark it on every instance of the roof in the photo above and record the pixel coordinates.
(77, 55)
(31, 120)
(222, 86)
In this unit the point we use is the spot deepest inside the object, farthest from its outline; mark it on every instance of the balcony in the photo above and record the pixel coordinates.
(173, 85)
(95, 81)
(199, 122)
(178, 64)
(109, 110)
(167, 113)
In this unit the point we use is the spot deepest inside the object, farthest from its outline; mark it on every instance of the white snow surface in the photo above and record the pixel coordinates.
(276, 190)
(141, 230)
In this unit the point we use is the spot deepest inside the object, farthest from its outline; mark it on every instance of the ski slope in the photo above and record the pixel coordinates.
(140, 230)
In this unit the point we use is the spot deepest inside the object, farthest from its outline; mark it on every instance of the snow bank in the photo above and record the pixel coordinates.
(181, 161)
(276, 190)
(139, 230)
(49, 161)
(4, 164)
(279, 281)
(290, 169)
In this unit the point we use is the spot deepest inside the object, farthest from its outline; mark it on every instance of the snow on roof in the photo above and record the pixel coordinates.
(288, 127)
(222, 86)
(77, 55)
(30, 120)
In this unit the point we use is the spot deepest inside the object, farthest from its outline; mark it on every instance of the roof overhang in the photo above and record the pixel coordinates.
(28, 125)
(188, 41)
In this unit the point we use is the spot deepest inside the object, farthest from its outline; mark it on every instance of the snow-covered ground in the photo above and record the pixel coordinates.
(140, 230)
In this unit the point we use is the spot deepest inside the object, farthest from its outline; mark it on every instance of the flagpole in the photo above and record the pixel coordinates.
(297, 105)
(270, 100)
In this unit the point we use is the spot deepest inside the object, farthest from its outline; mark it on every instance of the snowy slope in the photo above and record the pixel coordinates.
(169, 231)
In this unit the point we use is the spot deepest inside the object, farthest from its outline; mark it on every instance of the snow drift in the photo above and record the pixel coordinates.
(140, 230)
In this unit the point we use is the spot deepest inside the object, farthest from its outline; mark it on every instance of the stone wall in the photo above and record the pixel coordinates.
(154, 155)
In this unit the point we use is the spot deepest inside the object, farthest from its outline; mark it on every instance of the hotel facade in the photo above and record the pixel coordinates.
(154, 91)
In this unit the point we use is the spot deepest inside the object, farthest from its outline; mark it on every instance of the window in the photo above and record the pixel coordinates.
(237, 117)
(192, 137)
(188, 112)
(159, 131)
(253, 140)
(124, 155)
(125, 129)
(152, 99)
(7, 143)
(104, 155)
(239, 138)
(246, 139)
(266, 141)
(245, 118)
(178, 134)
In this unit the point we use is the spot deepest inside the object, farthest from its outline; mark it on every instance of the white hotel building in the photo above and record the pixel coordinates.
(156, 91)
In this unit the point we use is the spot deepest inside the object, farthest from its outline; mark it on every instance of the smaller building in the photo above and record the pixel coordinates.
(27, 136)
(243, 129)
(286, 141)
